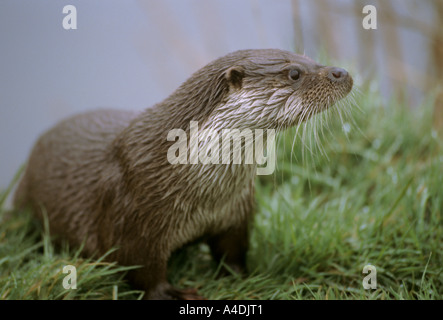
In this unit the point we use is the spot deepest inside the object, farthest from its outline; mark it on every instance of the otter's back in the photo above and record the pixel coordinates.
(65, 165)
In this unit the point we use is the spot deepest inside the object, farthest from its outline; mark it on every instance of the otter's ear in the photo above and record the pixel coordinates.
(235, 76)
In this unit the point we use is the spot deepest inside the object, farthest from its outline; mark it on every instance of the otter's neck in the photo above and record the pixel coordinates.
(142, 148)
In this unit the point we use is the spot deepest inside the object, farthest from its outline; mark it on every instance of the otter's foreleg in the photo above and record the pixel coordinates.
(152, 276)
(231, 247)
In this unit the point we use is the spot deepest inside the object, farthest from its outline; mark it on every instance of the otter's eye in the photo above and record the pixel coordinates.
(294, 74)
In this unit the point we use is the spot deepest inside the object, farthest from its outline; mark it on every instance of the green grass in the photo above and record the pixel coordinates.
(370, 194)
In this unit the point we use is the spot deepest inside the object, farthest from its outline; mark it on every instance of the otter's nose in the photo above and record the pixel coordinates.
(337, 74)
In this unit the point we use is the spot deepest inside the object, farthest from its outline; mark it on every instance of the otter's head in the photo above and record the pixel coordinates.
(266, 89)
(273, 89)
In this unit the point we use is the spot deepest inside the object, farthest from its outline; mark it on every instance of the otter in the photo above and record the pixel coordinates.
(104, 181)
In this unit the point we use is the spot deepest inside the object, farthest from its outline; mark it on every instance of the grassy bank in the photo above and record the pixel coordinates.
(371, 193)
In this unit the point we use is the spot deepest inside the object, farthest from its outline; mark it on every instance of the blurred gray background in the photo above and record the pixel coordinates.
(131, 54)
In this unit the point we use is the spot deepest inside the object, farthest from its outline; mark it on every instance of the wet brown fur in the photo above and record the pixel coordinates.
(103, 176)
